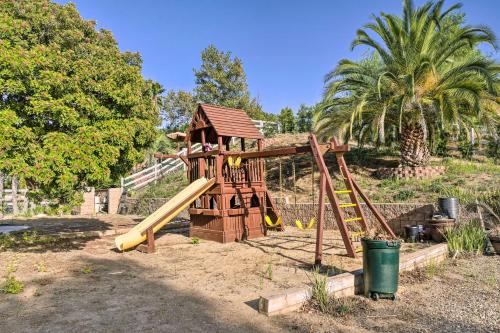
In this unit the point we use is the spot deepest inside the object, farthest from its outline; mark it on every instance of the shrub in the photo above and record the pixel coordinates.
(466, 147)
(87, 270)
(319, 292)
(404, 195)
(12, 285)
(467, 238)
(493, 148)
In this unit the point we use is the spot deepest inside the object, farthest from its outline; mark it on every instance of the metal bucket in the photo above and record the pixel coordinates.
(449, 206)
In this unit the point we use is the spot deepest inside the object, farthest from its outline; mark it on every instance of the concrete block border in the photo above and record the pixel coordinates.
(346, 284)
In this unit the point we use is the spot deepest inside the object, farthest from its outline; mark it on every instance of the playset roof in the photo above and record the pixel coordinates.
(222, 121)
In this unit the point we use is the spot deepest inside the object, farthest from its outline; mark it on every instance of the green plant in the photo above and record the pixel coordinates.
(433, 269)
(195, 240)
(12, 266)
(493, 147)
(404, 195)
(269, 271)
(319, 291)
(6, 241)
(41, 267)
(467, 238)
(441, 144)
(12, 285)
(30, 237)
(466, 148)
(87, 270)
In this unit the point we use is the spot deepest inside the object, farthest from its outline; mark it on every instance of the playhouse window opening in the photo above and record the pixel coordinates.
(254, 201)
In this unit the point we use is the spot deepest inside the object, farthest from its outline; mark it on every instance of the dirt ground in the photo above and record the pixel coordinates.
(458, 296)
(84, 285)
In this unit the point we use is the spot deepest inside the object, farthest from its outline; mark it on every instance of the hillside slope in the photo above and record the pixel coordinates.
(467, 180)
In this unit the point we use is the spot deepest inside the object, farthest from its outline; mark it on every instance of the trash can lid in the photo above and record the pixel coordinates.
(381, 244)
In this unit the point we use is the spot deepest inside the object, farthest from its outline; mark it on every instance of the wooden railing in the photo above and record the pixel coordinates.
(250, 170)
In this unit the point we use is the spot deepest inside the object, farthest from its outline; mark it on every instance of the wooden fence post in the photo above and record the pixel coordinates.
(2, 178)
(25, 201)
(15, 185)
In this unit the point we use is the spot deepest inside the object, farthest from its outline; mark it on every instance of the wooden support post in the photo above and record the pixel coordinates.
(242, 141)
(321, 220)
(151, 240)
(220, 143)
(149, 247)
(189, 151)
(339, 217)
(201, 161)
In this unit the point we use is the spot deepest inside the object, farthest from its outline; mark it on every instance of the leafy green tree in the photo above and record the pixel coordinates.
(221, 80)
(178, 108)
(74, 110)
(287, 120)
(305, 118)
(430, 75)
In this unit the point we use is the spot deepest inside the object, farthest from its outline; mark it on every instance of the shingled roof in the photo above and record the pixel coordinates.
(225, 122)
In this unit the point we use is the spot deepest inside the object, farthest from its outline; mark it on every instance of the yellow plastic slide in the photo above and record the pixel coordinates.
(164, 214)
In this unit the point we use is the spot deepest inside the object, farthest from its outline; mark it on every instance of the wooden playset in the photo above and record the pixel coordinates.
(237, 206)
(233, 203)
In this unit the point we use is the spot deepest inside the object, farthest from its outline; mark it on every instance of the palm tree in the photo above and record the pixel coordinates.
(428, 73)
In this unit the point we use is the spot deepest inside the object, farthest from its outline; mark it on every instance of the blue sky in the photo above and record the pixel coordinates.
(286, 46)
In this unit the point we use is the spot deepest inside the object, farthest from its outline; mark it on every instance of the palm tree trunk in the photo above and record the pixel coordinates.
(414, 150)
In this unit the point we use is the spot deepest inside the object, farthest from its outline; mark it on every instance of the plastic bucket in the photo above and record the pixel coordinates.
(449, 207)
(412, 233)
(380, 268)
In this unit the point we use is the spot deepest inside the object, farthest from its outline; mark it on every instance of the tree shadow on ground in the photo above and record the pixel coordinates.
(120, 296)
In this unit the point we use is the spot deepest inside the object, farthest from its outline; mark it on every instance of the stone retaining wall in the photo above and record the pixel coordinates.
(397, 214)
(411, 172)
(144, 207)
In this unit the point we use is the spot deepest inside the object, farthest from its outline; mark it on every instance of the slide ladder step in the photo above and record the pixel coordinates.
(352, 219)
(345, 205)
(357, 234)
(343, 191)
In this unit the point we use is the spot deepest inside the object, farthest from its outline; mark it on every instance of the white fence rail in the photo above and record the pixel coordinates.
(144, 177)
(6, 205)
(261, 124)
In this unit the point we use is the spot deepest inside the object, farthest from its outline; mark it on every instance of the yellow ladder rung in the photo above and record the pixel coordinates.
(345, 205)
(343, 191)
(359, 249)
(357, 234)
(353, 219)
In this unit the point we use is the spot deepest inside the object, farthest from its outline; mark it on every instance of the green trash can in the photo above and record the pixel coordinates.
(380, 268)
